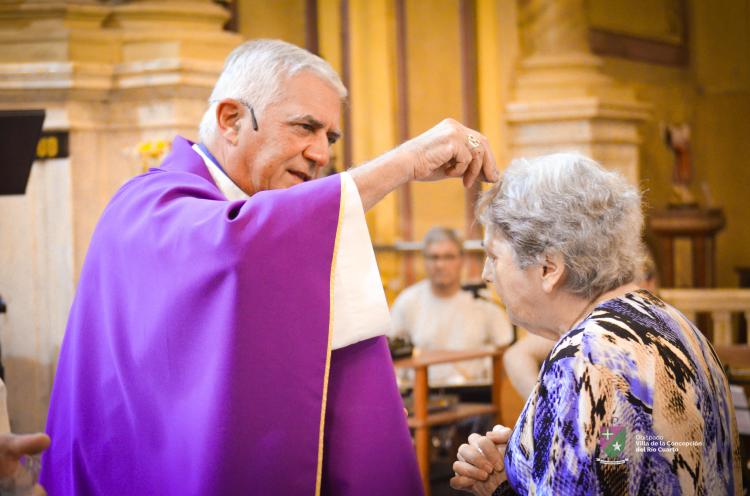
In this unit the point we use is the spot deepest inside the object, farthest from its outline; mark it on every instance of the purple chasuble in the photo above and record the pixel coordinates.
(194, 360)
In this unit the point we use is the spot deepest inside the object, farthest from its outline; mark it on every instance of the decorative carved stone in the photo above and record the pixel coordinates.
(562, 99)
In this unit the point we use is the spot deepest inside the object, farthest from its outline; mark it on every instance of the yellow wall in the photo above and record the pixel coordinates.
(283, 19)
(722, 122)
(497, 50)
(712, 94)
(434, 65)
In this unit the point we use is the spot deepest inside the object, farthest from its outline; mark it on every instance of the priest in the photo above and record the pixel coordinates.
(227, 332)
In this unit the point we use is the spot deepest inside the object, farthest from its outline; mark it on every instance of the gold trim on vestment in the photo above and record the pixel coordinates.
(319, 475)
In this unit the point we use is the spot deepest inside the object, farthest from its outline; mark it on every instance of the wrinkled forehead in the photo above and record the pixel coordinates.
(307, 83)
(491, 232)
(492, 235)
(306, 94)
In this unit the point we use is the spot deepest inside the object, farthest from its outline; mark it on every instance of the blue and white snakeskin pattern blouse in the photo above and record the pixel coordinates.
(632, 401)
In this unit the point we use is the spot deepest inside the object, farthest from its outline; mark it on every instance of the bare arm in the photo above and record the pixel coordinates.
(441, 152)
(399, 311)
(523, 360)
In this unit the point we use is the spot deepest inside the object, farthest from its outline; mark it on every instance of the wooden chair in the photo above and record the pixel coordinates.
(734, 356)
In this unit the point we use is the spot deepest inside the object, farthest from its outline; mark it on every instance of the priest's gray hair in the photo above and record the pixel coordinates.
(255, 72)
(567, 203)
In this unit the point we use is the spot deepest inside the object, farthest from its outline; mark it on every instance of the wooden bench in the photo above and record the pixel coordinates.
(719, 303)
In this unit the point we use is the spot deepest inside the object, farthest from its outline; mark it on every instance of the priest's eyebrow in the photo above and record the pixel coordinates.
(333, 136)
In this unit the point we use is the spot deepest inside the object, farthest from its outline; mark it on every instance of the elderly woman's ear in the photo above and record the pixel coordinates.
(552, 271)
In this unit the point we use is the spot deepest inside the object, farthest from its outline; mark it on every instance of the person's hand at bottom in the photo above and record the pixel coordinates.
(480, 468)
(13, 475)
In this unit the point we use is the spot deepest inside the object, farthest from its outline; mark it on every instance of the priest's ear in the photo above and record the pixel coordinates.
(228, 115)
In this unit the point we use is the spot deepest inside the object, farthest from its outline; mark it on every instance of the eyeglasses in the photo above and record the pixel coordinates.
(250, 107)
(446, 258)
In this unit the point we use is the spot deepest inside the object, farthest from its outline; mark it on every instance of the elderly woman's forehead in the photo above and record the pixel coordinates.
(493, 235)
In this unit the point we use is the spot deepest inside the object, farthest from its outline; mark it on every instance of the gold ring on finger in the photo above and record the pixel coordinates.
(473, 141)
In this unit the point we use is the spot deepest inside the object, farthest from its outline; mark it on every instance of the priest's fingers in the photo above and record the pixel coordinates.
(38, 491)
(475, 166)
(474, 456)
(484, 445)
(483, 167)
(460, 162)
(446, 150)
(488, 171)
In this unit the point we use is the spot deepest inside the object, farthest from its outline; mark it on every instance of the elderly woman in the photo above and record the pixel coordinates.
(632, 399)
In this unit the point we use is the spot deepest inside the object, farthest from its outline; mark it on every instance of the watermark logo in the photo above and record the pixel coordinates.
(655, 443)
(612, 443)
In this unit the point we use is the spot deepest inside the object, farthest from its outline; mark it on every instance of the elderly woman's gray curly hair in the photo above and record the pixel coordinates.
(569, 204)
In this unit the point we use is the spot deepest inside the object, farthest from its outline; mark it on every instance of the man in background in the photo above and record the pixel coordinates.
(436, 314)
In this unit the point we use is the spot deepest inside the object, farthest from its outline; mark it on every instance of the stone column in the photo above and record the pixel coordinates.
(562, 99)
(167, 57)
(109, 75)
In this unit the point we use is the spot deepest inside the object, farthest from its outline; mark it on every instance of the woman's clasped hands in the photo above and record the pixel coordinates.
(480, 467)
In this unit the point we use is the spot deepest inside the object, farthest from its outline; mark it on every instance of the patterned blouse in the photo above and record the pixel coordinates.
(632, 401)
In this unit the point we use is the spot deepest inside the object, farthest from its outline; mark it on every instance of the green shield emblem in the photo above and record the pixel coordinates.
(612, 441)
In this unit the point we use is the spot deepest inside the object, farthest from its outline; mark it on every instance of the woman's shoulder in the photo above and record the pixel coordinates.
(607, 338)
(634, 318)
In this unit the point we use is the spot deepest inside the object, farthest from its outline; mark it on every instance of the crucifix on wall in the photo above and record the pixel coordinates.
(677, 138)
(685, 231)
